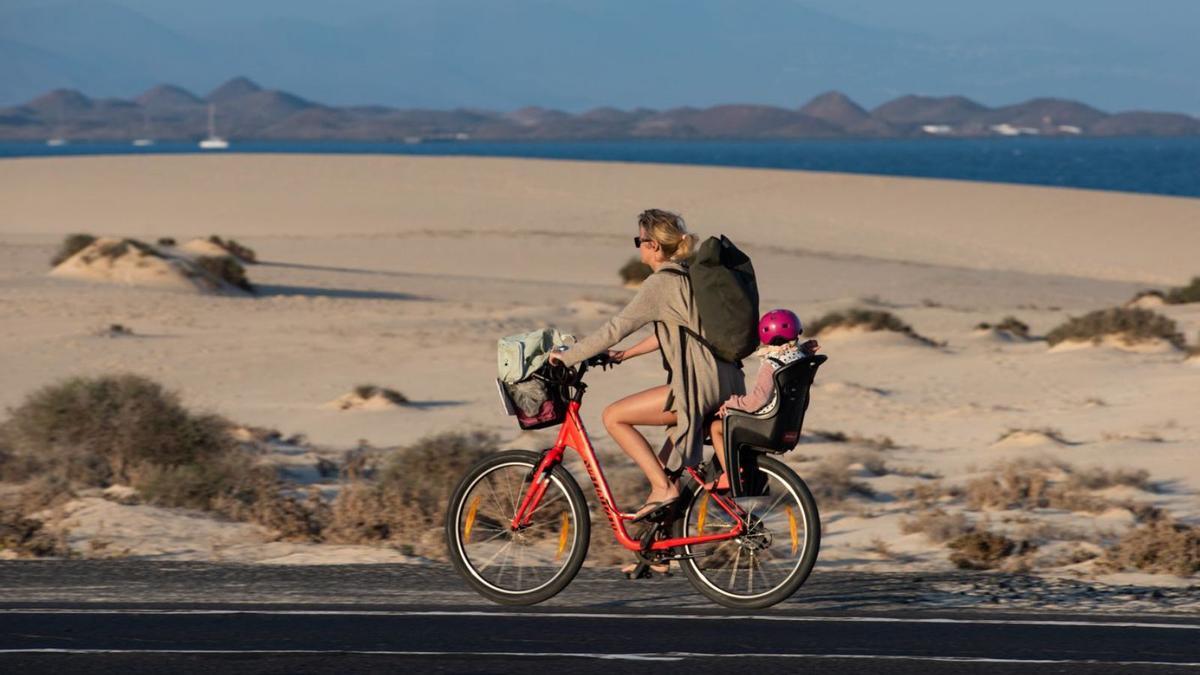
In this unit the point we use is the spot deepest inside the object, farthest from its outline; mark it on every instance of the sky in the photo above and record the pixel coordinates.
(577, 54)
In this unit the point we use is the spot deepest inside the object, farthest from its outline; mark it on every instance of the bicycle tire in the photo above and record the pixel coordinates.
(576, 502)
(794, 580)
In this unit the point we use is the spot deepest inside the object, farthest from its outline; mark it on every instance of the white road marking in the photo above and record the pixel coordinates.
(660, 656)
(586, 615)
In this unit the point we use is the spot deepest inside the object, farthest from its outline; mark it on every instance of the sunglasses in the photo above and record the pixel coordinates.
(638, 241)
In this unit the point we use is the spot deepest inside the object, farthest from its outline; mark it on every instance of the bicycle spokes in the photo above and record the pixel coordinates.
(515, 558)
(764, 555)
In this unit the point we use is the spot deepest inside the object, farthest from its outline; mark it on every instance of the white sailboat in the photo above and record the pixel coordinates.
(145, 140)
(213, 142)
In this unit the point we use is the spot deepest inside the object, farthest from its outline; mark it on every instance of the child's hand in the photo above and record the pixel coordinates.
(721, 412)
(810, 347)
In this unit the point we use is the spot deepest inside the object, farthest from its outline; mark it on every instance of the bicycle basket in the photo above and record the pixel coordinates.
(537, 401)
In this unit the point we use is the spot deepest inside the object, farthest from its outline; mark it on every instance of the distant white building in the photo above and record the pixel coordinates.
(1007, 129)
(1069, 129)
(937, 129)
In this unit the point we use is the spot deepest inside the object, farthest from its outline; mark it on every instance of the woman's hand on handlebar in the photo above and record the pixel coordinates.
(616, 356)
(555, 357)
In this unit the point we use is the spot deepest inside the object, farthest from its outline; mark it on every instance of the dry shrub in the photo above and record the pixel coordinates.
(938, 525)
(1096, 478)
(1032, 484)
(1009, 324)
(832, 481)
(242, 253)
(71, 244)
(865, 319)
(366, 391)
(126, 429)
(227, 269)
(166, 241)
(1160, 546)
(634, 272)
(981, 550)
(1184, 294)
(873, 442)
(1049, 432)
(102, 430)
(405, 502)
(1130, 324)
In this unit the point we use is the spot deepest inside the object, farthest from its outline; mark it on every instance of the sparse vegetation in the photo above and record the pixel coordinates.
(367, 391)
(242, 253)
(1049, 432)
(1184, 294)
(981, 550)
(938, 525)
(116, 249)
(72, 244)
(1130, 324)
(634, 272)
(128, 430)
(832, 481)
(1009, 324)
(866, 319)
(227, 269)
(116, 330)
(405, 501)
(166, 241)
(1030, 484)
(873, 442)
(1159, 546)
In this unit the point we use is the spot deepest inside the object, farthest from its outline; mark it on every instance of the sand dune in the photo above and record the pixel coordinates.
(132, 263)
(404, 269)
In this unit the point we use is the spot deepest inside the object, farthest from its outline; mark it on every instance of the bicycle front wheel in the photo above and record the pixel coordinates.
(516, 565)
(771, 560)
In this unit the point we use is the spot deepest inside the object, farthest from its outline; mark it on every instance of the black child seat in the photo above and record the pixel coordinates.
(775, 428)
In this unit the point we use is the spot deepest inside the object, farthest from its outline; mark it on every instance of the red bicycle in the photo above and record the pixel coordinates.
(518, 525)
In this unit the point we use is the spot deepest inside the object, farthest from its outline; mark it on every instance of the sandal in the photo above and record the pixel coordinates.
(651, 508)
(663, 569)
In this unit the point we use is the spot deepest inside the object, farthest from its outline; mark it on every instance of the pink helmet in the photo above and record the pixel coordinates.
(779, 326)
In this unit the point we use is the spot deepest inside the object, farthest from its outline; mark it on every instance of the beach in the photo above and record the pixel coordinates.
(403, 271)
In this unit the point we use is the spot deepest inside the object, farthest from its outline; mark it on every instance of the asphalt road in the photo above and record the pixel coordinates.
(88, 616)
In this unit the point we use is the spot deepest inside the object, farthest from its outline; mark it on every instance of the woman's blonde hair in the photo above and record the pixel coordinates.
(670, 233)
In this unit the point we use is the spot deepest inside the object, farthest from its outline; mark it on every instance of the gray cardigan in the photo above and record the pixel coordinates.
(699, 382)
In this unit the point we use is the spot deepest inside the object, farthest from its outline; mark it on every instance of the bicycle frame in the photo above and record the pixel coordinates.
(573, 435)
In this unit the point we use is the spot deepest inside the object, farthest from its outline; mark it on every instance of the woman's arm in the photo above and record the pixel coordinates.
(650, 344)
(641, 310)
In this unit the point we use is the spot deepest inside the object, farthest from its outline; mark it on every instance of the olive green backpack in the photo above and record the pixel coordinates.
(725, 291)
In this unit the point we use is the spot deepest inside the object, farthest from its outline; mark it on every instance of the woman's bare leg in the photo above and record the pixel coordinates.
(717, 431)
(644, 408)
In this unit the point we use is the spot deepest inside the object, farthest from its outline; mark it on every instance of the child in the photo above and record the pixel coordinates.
(779, 331)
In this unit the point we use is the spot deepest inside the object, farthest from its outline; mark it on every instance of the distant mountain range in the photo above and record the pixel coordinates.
(246, 111)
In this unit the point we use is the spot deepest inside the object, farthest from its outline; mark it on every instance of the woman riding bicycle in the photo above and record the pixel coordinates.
(697, 382)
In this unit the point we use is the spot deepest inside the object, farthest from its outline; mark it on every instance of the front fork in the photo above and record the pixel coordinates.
(539, 480)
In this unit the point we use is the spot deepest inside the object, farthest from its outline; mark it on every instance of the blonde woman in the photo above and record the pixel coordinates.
(697, 382)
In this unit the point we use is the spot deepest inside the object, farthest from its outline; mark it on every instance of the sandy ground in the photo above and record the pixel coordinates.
(403, 271)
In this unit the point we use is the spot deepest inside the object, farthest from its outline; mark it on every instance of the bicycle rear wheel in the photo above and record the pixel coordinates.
(768, 563)
(524, 565)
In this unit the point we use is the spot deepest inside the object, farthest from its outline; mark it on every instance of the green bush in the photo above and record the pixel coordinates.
(227, 269)
(634, 272)
(1130, 324)
(72, 244)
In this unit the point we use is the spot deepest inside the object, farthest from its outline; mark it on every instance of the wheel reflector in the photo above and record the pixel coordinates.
(564, 527)
(792, 529)
(471, 518)
(702, 515)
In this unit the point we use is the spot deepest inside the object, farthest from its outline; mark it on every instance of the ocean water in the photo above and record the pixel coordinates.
(1167, 166)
